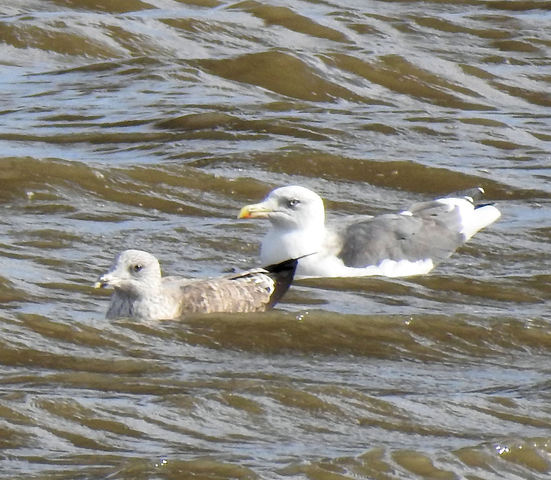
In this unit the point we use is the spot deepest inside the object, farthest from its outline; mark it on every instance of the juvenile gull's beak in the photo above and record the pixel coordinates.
(103, 282)
(256, 210)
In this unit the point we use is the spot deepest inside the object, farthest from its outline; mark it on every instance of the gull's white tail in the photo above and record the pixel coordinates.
(479, 218)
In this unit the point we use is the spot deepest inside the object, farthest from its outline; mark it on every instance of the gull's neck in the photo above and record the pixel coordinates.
(282, 243)
(139, 301)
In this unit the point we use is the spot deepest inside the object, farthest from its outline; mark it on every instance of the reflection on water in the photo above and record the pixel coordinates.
(148, 124)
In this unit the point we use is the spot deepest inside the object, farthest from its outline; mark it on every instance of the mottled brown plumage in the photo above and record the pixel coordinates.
(142, 293)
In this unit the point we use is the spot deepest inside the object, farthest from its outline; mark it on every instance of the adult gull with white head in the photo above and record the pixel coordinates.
(411, 242)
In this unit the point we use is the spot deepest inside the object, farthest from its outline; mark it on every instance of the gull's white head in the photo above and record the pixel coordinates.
(133, 272)
(290, 208)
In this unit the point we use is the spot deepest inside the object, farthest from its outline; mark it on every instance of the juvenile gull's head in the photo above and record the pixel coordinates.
(134, 272)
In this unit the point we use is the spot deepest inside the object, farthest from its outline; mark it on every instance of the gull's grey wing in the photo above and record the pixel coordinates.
(428, 230)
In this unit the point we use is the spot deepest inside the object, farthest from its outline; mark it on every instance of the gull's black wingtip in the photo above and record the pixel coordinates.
(291, 263)
(472, 194)
(282, 274)
(284, 266)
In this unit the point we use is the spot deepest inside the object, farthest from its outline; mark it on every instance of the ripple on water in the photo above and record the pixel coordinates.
(149, 124)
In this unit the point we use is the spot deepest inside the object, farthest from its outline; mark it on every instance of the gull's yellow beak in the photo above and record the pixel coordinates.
(257, 210)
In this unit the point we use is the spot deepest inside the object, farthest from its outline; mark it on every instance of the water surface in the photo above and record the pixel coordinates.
(148, 124)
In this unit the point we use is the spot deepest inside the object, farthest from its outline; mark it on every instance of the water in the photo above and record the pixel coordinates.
(149, 124)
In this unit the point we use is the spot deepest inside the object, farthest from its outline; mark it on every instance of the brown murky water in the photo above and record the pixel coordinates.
(148, 124)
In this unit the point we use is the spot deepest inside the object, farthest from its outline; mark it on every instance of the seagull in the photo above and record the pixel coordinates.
(142, 293)
(411, 242)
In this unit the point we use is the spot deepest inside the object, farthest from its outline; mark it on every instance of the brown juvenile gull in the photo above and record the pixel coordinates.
(142, 293)
(411, 242)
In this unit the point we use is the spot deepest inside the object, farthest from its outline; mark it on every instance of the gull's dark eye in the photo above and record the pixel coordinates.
(293, 203)
(137, 267)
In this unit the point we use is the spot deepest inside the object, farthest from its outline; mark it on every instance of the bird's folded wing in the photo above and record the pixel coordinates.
(245, 292)
(400, 237)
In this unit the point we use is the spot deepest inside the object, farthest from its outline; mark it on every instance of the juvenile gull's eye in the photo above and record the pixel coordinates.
(137, 267)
